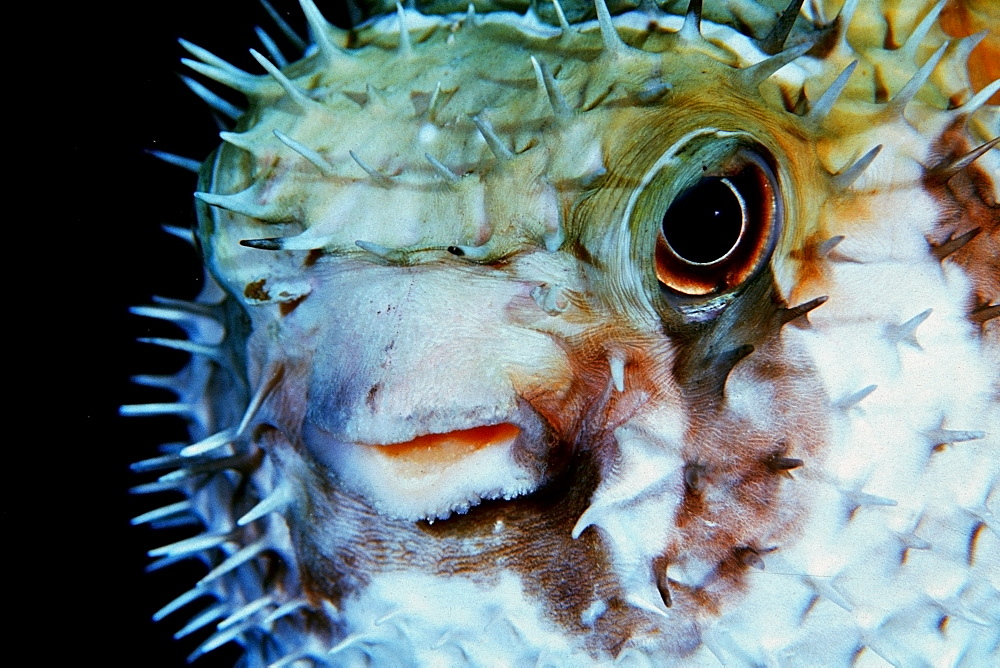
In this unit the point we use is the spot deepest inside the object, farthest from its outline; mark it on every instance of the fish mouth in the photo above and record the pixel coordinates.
(431, 452)
(435, 474)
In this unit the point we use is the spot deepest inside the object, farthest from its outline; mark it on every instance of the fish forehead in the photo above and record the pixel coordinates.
(456, 235)
(392, 111)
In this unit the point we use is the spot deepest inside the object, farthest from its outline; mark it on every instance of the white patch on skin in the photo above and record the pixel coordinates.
(689, 572)
(451, 620)
(879, 479)
(644, 486)
(593, 612)
(428, 133)
(745, 395)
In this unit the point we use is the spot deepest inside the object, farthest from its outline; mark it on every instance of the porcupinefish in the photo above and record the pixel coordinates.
(554, 334)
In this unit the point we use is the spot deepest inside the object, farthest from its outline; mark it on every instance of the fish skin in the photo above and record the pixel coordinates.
(864, 530)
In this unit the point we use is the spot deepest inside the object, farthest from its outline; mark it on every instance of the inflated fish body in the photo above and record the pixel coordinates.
(666, 336)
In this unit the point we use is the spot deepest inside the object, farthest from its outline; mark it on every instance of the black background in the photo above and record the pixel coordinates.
(111, 92)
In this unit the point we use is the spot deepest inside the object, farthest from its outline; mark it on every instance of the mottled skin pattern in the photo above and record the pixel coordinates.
(459, 400)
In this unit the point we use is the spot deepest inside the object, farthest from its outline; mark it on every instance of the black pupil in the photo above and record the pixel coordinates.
(704, 223)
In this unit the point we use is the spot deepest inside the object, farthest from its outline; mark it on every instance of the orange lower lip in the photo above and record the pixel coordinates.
(453, 444)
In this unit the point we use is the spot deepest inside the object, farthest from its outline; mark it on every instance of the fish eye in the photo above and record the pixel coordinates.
(718, 232)
(705, 225)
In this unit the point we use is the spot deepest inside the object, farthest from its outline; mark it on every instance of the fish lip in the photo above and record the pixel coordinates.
(427, 438)
(425, 482)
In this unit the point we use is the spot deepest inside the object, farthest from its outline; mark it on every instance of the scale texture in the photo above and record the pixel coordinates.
(665, 335)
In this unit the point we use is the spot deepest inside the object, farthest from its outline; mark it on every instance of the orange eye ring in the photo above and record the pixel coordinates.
(720, 231)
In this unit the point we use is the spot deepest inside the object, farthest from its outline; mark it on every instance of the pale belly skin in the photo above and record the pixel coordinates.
(485, 376)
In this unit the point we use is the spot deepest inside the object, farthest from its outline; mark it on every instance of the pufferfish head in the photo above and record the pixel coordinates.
(662, 337)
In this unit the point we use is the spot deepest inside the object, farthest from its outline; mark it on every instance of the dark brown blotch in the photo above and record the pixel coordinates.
(312, 257)
(974, 535)
(256, 291)
(290, 305)
(967, 203)
(662, 581)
